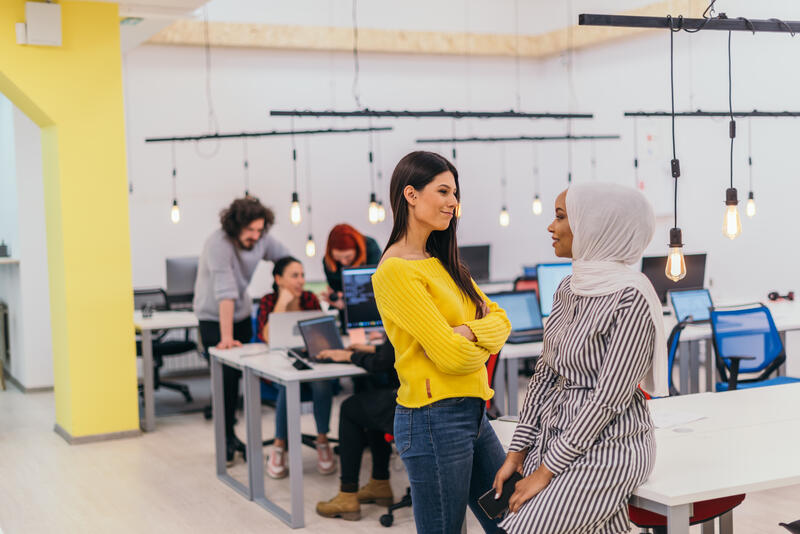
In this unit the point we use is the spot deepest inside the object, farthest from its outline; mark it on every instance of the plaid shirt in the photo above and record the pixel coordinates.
(308, 302)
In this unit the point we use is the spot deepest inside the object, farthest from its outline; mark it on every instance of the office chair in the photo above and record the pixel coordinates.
(793, 527)
(747, 341)
(527, 283)
(405, 501)
(156, 299)
(702, 511)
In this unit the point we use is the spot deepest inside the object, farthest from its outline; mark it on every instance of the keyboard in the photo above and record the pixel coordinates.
(303, 354)
(525, 337)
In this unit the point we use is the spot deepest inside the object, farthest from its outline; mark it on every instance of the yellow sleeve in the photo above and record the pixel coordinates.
(492, 330)
(403, 299)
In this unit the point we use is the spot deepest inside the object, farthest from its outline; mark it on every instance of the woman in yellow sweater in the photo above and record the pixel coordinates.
(443, 329)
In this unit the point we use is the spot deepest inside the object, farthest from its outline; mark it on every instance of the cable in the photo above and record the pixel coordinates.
(294, 159)
(516, 52)
(706, 18)
(308, 183)
(750, 150)
(732, 131)
(246, 168)
(174, 175)
(675, 164)
(356, 69)
(636, 151)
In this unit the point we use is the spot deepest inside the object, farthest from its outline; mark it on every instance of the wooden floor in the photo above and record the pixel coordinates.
(165, 482)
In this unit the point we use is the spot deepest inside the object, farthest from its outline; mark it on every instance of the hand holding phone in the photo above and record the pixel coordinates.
(495, 508)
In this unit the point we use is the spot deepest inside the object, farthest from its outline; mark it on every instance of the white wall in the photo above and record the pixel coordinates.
(25, 287)
(166, 96)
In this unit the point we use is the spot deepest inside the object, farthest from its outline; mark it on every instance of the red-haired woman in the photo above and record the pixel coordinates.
(346, 247)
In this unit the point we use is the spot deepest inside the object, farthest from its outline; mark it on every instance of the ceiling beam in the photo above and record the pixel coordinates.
(275, 37)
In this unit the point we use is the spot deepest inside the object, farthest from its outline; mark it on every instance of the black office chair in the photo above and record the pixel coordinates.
(793, 527)
(156, 299)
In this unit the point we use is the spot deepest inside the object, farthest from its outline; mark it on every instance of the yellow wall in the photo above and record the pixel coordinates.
(74, 93)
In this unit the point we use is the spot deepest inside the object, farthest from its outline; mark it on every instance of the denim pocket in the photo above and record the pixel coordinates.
(453, 401)
(402, 429)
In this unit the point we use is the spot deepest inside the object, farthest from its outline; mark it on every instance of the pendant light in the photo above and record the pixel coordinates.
(373, 213)
(175, 212)
(637, 182)
(455, 159)
(295, 215)
(731, 223)
(751, 201)
(381, 209)
(537, 202)
(311, 247)
(505, 218)
(676, 264)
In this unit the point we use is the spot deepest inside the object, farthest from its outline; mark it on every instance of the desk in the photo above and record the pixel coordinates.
(257, 361)
(747, 442)
(165, 320)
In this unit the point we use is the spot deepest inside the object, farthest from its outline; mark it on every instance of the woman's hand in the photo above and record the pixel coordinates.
(464, 330)
(285, 297)
(337, 355)
(512, 464)
(529, 487)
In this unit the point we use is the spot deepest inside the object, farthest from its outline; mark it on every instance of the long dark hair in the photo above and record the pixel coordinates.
(279, 267)
(418, 169)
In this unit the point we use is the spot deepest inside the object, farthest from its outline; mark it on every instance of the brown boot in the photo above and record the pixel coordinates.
(344, 505)
(376, 491)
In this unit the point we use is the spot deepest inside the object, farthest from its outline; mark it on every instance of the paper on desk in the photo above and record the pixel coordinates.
(670, 419)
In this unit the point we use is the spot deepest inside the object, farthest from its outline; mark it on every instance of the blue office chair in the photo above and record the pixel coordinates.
(746, 341)
(672, 346)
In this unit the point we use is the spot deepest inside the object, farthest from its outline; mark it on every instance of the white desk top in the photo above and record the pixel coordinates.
(9, 261)
(747, 442)
(276, 365)
(164, 320)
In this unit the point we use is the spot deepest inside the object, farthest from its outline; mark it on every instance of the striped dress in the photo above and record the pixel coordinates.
(584, 416)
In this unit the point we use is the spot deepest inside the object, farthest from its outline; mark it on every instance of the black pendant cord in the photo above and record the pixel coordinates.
(371, 166)
(356, 68)
(174, 175)
(308, 185)
(732, 131)
(246, 169)
(675, 165)
(453, 132)
(750, 151)
(636, 151)
(709, 11)
(294, 160)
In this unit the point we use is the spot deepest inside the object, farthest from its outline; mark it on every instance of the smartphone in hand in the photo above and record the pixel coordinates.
(494, 508)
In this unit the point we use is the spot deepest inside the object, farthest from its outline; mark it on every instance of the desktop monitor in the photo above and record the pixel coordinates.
(550, 276)
(529, 271)
(360, 310)
(653, 268)
(181, 275)
(691, 302)
(522, 309)
(476, 257)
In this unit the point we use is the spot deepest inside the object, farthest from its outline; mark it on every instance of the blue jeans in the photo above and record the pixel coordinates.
(322, 397)
(452, 455)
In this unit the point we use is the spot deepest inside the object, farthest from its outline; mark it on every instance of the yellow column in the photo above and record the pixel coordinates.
(74, 93)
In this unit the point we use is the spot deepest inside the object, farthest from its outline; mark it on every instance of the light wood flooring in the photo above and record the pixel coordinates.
(165, 482)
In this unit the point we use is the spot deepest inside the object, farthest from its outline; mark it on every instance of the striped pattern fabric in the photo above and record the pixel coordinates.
(584, 416)
(420, 304)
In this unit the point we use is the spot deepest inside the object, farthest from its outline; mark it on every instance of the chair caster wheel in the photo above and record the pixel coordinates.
(387, 520)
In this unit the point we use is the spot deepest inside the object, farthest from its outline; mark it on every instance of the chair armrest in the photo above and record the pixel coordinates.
(733, 380)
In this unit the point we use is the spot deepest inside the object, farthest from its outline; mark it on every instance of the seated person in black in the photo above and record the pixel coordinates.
(365, 419)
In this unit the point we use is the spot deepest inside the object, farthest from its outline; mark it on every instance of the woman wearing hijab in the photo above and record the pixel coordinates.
(585, 441)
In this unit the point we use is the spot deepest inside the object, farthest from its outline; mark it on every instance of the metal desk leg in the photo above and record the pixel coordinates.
(782, 369)
(218, 411)
(711, 369)
(726, 523)
(147, 371)
(678, 519)
(683, 366)
(499, 385)
(707, 527)
(295, 453)
(512, 385)
(694, 367)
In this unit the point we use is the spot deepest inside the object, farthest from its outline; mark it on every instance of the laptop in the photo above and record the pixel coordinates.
(284, 332)
(691, 304)
(522, 309)
(319, 334)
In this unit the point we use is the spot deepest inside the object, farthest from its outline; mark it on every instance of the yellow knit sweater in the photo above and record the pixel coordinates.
(420, 304)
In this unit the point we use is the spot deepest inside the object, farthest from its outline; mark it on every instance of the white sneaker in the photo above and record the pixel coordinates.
(276, 463)
(326, 465)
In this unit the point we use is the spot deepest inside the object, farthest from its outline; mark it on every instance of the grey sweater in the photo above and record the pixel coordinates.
(225, 271)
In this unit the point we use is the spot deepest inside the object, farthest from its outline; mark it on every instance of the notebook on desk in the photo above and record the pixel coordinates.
(522, 309)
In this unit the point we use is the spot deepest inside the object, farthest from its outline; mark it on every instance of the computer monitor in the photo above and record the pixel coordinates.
(181, 275)
(653, 268)
(320, 334)
(477, 259)
(691, 302)
(522, 309)
(550, 276)
(529, 271)
(360, 310)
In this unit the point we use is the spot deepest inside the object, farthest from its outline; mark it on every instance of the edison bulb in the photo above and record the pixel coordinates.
(381, 212)
(458, 210)
(751, 206)
(676, 264)
(731, 224)
(537, 205)
(175, 212)
(505, 218)
(294, 213)
(311, 247)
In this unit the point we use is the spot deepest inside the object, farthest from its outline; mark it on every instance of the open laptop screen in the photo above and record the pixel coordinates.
(694, 302)
(320, 334)
(522, 309)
